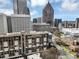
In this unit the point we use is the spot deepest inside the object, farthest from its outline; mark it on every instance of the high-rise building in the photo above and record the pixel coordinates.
(48, 14)
(21, 19)
(20, 7)
(15, 23)
(77, 23)
(37, 20)
(57, 22)
(21, 23)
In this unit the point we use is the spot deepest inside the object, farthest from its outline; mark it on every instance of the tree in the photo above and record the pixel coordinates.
(57, 33)
(52, 53)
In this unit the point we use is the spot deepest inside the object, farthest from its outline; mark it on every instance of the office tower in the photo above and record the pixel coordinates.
(35, 20)
(77, 23)
(21, 19)
(21, 23)
(20, 7)
(57, 22)
(48, 14)
(38, 20)
(15, 23)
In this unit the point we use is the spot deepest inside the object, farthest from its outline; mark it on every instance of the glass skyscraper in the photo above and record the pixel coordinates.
(48, 14)
(20, 7)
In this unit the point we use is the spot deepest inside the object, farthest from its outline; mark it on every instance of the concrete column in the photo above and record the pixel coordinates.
(25, 57)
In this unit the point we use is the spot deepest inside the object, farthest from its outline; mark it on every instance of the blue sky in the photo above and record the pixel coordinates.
(64, 9)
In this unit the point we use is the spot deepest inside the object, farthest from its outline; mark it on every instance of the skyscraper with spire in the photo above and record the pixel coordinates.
(48, 14)
(20, 7)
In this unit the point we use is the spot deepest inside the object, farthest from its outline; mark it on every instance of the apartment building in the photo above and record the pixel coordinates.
(13, 45)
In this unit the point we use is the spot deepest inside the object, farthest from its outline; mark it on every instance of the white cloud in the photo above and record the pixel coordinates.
(3, 1)
(6, 11)
(38, 2)
(4, 7)
(70, 5)
(33, 13)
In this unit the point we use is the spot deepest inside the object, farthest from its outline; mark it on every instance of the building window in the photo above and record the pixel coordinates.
(16, 53)
(29, 46)
(6, 49)
(45, 39)
(34, 50)
(37, 40)
(16, 48)
(1, 55)
(16, 42)
(37, 45)
(45, 48)
(33, 42)
(29, 41)
(45, 43)
(77, 43)
(11, 53)
(19, 51)
(37, 50)
(30, 51)
(5, 44)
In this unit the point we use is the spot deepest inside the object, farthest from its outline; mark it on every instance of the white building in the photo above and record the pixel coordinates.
(15, 23)
(21, 23)
(3, 23)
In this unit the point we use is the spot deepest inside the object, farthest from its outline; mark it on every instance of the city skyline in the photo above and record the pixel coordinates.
(64, 9)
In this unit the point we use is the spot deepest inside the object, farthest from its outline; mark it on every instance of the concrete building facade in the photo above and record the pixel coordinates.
(21, 23)
(38, 20)
(57, 22)
(13, 45)
(15, 23)
(68, 24)
(41, 27)
(77, 23)
(3, 23)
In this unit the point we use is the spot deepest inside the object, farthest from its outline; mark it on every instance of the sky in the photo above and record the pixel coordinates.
(63, 9)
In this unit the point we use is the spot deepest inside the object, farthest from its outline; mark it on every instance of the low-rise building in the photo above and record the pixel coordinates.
(77, 23)
(68, 24)
(41, 27)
